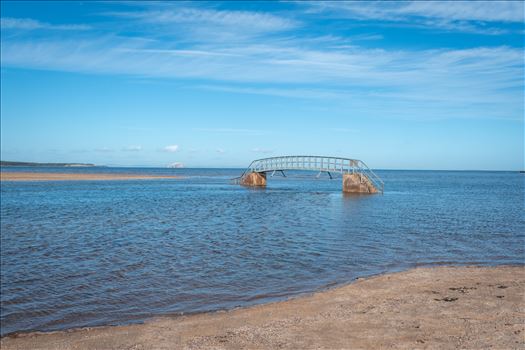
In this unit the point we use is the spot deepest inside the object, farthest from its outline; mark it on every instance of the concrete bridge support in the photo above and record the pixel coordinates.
(357, 183)
(254, 179)
(357, 176)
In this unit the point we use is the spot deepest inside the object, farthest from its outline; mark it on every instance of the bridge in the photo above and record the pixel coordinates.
(357, 176)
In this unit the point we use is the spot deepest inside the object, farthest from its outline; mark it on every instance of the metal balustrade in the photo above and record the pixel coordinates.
(314, 163)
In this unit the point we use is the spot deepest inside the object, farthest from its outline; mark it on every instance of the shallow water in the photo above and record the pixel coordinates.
(86, 253)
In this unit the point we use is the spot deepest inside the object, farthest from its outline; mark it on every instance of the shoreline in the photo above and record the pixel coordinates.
(13, 176)
(436, 307)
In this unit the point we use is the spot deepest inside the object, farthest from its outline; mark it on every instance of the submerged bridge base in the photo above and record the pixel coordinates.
(357, 176)
(352, 183)
(357, 183)
(254, 179)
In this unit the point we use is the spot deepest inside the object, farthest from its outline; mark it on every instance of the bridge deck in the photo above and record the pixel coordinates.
(314, 163)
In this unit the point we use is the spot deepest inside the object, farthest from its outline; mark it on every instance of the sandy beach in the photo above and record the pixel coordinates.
(33, 176)
(434, 308)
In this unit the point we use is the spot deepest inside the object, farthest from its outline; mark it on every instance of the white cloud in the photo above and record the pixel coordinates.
(355, 66)
(182, 52)
(489, 80)
(501, 11)
(465, 16)
(191, 23)
(294, 93)
(241, 21)
(483, 76)
(104, 150)
(132, 148)
(261, 150)
(31, 24)
(171, 148)
(504, 11)
(220, 150)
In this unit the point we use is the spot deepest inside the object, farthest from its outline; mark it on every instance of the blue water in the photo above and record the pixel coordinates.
(86, 253)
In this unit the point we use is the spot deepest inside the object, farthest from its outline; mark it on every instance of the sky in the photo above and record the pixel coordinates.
(400, 85)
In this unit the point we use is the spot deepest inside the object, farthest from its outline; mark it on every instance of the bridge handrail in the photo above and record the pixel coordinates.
(373, 177)
(333, 164)
(349, 160)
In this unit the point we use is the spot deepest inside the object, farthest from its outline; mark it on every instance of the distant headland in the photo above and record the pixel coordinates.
(10, 163)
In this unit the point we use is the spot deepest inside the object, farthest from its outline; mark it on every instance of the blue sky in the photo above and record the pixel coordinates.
(400, 85)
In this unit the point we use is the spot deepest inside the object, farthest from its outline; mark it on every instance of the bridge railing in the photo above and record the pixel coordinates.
(315, 163)
(372, 176)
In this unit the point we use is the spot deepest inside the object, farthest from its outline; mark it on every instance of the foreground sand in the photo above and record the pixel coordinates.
(30, 176)
(439, 308)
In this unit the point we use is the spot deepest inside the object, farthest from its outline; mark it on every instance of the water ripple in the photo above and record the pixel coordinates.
(109, 252)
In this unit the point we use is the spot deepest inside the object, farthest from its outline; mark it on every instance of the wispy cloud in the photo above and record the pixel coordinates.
(262, 150)
(282, 92)
(220, 151)
(190, 23)
(31, 24)
(209, 46)
(104, 150)
(171, 148)
(194, 53)
(243, 21)
(132, 149)
(478, 75)
(500, 11)
(277, 63)
(464, 16)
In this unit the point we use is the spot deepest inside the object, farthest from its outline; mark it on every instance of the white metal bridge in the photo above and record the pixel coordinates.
(314, 163)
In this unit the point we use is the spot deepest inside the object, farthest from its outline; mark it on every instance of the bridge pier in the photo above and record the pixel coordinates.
(357, 176)
(254, 179)
(357, 183)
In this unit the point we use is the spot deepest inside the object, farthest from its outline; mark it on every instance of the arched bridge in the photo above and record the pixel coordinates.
(357, 176)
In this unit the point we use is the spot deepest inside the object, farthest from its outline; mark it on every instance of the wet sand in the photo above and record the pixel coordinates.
(33, 176)
(435, 308)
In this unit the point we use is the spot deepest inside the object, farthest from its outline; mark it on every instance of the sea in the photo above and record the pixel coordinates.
(93, 253)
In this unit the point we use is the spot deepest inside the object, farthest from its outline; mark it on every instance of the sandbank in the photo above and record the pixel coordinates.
(433, 308)
(34, 176)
